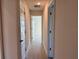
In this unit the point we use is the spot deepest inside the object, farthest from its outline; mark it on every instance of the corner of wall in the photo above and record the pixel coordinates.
(45, 28)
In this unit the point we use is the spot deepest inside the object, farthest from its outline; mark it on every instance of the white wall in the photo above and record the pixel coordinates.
(10, 28)
(1, 49)
(0, 43)
(45, 27)
(0, 38)
(66, 29)
(10, 12)
(36, 13)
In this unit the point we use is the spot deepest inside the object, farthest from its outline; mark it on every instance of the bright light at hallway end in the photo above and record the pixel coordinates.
(37, 28)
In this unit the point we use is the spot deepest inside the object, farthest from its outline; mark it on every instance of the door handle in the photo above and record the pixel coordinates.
(21, 41)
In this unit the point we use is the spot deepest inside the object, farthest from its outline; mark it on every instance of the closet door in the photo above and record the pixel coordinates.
(51, 28)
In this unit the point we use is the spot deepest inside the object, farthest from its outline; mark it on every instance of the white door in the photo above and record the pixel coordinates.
(51, 28)
(22, 31)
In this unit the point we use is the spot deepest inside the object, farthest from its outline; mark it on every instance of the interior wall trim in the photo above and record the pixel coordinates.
(2, 41)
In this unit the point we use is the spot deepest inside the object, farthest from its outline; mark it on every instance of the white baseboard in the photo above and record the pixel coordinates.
(45, 50)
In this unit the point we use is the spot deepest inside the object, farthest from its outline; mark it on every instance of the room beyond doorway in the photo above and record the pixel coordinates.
(36, 25)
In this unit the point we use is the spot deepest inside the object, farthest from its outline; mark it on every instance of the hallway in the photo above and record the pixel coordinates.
(59, 29)
(36, 51)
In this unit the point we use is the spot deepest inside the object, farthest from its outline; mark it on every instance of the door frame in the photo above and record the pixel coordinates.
(1, 32)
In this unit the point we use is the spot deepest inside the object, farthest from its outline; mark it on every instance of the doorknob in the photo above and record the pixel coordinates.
(21, 41)
(50, 31)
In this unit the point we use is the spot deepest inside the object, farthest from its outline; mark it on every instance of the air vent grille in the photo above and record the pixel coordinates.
(37, 6)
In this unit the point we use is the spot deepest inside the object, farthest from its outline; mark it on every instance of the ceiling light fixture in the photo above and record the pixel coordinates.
(38, 3)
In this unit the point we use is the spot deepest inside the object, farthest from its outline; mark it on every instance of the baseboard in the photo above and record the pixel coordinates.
(45, 50)
(28, 48)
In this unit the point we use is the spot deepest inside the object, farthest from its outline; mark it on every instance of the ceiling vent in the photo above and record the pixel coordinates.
(37, 6)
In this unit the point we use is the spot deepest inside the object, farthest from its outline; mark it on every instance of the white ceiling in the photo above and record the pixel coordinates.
(31, 4)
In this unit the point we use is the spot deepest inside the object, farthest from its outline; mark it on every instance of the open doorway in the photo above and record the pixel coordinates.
(36, 25)
(22, 31)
